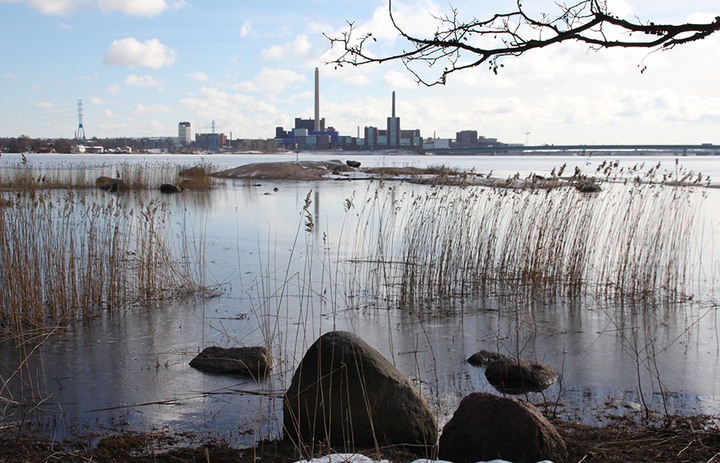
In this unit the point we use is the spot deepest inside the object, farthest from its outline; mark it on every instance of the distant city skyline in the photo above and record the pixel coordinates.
(142, 67)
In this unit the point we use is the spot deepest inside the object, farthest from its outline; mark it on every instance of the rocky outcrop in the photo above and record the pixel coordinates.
(487, 427)
(512, 375)
(482, 358)
(195, 171)
(255, 361)
(340, 168)
(345, 393)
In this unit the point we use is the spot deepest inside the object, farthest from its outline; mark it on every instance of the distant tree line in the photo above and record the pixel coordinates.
(25, 144)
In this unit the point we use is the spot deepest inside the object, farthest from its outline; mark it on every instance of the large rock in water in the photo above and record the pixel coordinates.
(512, 375)
(348, 395)
(487, 427)
(254, 361)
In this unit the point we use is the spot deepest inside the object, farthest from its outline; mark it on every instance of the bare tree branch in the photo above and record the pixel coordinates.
(515, 33)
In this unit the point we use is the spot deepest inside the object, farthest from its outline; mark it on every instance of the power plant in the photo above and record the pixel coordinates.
(311, 134)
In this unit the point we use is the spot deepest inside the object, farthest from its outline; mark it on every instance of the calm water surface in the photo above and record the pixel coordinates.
(285, 287)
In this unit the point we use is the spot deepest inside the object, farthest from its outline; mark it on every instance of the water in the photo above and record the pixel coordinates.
(128, 370)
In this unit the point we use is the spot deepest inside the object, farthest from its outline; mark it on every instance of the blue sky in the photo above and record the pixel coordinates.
(142, 66)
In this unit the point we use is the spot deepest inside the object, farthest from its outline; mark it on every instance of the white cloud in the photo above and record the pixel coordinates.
(133, 7)
(131, 52)
(619, 8)
(300, 49)
(96, 100)
(113, 89)
(141, 81)
(357, 79)
(64, 26)
(59, 7)
(35, 87)
(141, 109)
(109, 114)
(44, 105)
(272, 81)
(229, 109)
(396, 79)
(128, 7)
(83, 78)
(246, 29)
(199, 76)
(9, 75)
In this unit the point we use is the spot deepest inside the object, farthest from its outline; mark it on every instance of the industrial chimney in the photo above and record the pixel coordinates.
(393, 108)
(317, 100)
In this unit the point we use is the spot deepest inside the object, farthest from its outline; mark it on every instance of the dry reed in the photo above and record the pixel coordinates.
(438, 247)
(136, 176)
(69, 256)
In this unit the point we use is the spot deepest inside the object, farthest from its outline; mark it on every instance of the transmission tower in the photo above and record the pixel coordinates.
(80, 138)
(213, 145)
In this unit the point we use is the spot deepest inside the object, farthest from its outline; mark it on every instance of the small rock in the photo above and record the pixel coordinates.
(512, 375)
(354, 164)
(113, 185)
(170, 188)
(482, 358)
(255, 361)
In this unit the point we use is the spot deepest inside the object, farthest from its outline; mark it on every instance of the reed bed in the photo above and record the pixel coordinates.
(67, 256)
(438, 248)
(136, 176)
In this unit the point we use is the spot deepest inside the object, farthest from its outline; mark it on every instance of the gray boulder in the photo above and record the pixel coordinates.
(255, 361)
(482, 358)
(487, 427)
(346, 394)
(512, 375)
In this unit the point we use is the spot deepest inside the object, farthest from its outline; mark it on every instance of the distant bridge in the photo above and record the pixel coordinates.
(578, 149)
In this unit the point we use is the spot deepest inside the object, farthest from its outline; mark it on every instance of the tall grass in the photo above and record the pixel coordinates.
(437, 248)
(67, 257)
(136, 176)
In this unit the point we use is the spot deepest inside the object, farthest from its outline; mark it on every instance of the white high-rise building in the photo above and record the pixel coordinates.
(185, 133)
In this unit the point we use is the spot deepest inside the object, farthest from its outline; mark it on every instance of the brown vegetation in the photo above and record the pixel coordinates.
(694, 439)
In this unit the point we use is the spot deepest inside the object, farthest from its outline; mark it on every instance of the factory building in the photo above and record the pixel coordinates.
(312, 134)
(204, 141)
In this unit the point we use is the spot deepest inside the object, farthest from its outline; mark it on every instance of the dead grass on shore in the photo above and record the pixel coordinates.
(682, 439)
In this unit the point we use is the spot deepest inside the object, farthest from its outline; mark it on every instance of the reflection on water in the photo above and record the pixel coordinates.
(284, 287)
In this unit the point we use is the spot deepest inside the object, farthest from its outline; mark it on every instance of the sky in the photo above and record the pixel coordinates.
(142, 66)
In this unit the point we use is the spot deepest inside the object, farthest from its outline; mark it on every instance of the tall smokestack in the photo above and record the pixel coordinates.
(393, 111)
(317, 100)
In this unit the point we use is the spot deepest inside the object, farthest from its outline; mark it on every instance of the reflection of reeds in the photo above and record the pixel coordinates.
(444, 245)
(68, 257)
